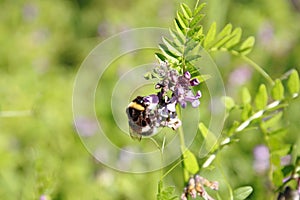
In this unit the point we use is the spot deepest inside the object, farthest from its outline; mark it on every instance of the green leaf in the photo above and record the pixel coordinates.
(190, 45)
(288, 169)
(293, 83)
(210, 36)
(198, 9)
(186, 11)
(246, 112)
(195, 21)
(178, 39)
(277, 177)
(191, 58)
(195, 33)
(160, 57)
(204, 130)
(247, 46)
(191, 68)
(261, 98)
(169, 55)
(228, 102)
(165, 193)
(223, 37)
(209, 137)
(233, 128)
(225, 31)
(190, 162)
(273, 122)
(246, 96)
(236, 37)
(277, 90)
(203, 77)
(148, 76)
(199, 36)
(179, 28)
(172, 47)
(220, 44)
(242, 192)
(182, 20)
(297, 163)
(275, 141)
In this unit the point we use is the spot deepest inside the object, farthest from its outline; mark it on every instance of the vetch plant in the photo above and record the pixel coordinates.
(148, 113)
(177, 75)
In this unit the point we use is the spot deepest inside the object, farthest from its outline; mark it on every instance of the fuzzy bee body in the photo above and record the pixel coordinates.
(140, 119)
(147, 114)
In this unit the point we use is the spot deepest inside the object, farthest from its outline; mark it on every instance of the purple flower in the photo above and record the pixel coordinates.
(240, 76)
(43, 197)
(194, 82)
(86, 127)
(187, 75)
(174, 88)
(261, 159)
(152, 101)
(266, 34)
(285, 160)
(30, 12)
(184, 94)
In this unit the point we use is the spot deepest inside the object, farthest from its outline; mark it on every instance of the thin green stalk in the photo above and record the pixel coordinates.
(182, 143)
(171, 169)
(180, 132)
(259, 69)
(197, 3)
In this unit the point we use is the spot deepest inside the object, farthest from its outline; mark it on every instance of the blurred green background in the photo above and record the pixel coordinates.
(42, 44)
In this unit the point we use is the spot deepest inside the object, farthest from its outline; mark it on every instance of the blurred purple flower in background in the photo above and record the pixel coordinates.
(30, 12)
(261, 159)
(286, 160)
(44, 197)
(240, 76)
(266, 34)
(86, 127)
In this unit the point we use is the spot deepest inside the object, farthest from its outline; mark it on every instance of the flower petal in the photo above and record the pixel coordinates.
(172, 107)
(195, 103)
(187, 75)
(183, 104)
(198, 94)
(194, 82)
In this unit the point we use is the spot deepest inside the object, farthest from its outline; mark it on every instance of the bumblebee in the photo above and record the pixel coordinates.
(141, 118)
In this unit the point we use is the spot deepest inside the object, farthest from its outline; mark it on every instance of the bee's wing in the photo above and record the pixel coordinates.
(134, 134)
(136, 131)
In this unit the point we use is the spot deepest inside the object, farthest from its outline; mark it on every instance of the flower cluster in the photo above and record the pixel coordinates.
(174, 88)
(147, 114)
(180, 86)
(195, 187)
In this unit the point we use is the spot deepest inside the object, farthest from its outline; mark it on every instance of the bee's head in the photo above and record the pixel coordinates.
(139, 100)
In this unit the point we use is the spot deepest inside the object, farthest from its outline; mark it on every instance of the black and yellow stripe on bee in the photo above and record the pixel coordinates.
(136, 106)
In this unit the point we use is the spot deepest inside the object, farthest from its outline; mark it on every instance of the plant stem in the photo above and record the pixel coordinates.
(259, 69)
(182, 144)
(180, 131)
(197, 3)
